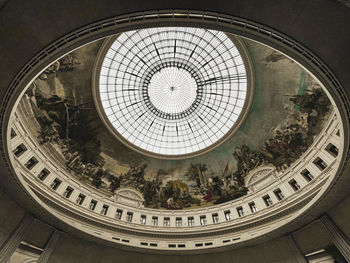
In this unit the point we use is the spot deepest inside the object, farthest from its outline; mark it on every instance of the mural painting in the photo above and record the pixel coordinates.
(289, 110)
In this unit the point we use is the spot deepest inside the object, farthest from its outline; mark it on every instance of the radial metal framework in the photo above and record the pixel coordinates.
(172, 90)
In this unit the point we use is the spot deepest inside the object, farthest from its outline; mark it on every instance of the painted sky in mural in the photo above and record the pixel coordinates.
(288, 110)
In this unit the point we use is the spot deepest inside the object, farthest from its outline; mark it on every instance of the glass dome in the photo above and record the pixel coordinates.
(172, 90)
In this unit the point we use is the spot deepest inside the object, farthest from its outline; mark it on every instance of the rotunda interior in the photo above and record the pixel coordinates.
(151, 133)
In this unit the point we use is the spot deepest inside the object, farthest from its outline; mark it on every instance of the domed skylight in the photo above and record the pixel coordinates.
(172, 91)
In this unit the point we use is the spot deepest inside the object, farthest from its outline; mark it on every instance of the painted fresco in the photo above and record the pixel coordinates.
(288, 111)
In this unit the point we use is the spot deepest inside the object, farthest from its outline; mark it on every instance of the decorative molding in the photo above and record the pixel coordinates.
(11, 244)
(50, 246)
(337, 236)
(299, 257)
(258, 175)
(129, 196)
(178, 235)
